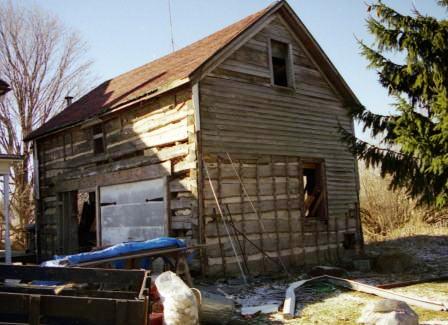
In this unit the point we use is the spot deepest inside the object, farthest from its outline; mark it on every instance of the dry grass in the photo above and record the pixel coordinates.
(390, 214)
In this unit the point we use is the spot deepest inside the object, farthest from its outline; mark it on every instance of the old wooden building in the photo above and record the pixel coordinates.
(249, 114)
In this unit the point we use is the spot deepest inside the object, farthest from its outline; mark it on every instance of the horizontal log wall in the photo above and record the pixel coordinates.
(243, 113)
(152, 140)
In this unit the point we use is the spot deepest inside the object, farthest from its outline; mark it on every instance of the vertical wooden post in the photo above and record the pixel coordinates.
(301, 207)
(336, 227)
(34, 310)
(329, 258)
(167, 205)
(288, 205)
(274, 195)
(218, 192)
(98, 216)
(201, 184)
(243, 223)
(221, 249)
(347, 227)
(359, 234)
(260, 226)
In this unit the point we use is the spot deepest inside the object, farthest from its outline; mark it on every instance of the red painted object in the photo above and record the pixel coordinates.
(156, 319)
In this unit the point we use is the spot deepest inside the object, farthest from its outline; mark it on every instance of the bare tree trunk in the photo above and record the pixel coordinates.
(42, 62)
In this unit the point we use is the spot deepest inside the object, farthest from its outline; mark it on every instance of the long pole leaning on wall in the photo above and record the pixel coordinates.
(254, 209)
(243, 275)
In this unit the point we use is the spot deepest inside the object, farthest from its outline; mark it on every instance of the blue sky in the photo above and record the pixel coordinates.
(125, 34)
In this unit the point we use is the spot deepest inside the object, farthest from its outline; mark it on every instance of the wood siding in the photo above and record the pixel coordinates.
(153, 140)
(242, 113)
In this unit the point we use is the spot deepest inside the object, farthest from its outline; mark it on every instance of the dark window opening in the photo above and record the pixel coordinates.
(68, 145)
(280, 64)
(86, 221)
(98, 139)
(349, 241)
(77, 222)
(314, 191)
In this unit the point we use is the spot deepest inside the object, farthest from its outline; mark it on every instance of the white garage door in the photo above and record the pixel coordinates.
(132, 211)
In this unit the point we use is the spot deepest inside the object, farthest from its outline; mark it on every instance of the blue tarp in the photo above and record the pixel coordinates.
(116, 251)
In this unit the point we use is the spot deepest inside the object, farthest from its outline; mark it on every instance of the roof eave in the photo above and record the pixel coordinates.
(133, 101)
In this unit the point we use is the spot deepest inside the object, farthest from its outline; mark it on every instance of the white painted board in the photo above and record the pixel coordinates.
(132, 211)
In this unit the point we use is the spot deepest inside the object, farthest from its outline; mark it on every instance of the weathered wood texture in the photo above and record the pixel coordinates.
(151, 140)
(272, 184)
(242, 113)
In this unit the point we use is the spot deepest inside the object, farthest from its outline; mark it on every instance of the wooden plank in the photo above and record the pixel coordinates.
(338, 257)
(34, 310)
(258, 216)
(274, 187)
(291, 237)
(220, 243)
(28, 273)
(80, 310)
(301, 207)
(119, 177)
(241, 194)
(98, 215)
(67, 291)
(167, 207)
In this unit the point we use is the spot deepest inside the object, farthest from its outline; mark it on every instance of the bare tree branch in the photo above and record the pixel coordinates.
(43, 62)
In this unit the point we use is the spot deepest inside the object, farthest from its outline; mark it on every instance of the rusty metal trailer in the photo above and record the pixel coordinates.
(58, 295)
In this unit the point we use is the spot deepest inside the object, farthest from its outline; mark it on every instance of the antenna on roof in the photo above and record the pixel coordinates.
(171, 25)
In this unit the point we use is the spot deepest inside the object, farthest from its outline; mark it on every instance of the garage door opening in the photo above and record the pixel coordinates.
(133, 211)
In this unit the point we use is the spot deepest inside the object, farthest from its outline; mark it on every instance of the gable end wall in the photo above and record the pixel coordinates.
(260, 124)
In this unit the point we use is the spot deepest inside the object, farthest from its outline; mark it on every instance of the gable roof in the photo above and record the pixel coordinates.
(165, 73)
(145, 79)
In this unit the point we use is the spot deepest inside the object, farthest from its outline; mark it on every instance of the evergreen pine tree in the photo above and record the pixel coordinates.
(414, 140)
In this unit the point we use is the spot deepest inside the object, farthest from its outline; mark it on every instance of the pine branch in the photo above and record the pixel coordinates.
(363, 149)
(375, 122)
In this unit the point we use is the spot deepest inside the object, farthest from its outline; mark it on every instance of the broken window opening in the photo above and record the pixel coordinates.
(98, 139)
(314, 199)
(281, 65)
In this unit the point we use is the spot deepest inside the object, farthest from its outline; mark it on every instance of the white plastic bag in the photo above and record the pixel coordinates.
(179, 303)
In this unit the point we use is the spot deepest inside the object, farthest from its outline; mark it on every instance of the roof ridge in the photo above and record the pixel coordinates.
(134, 83)
(186, 47)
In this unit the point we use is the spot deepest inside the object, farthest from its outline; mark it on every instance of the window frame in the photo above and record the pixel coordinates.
(323, 179)
(290, 75)
(96, 136)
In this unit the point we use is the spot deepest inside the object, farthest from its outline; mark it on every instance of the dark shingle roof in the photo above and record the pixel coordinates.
(147, 78)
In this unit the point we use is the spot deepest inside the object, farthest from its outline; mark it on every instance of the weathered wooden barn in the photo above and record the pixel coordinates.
(253, 109)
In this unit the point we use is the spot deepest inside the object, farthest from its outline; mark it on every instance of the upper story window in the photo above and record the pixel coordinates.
(281, 63)
(68, 144)
(98, 139)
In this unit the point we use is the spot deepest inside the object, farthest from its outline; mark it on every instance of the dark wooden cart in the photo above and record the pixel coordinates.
(57, 295)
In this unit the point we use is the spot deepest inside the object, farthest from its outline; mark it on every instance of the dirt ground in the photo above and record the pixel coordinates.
(321, 303)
